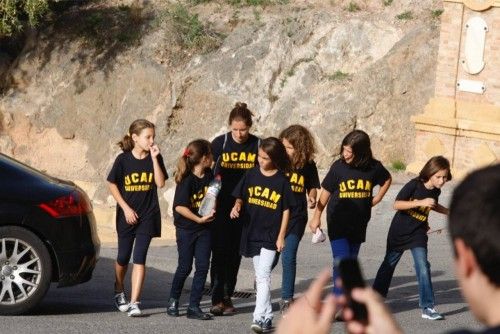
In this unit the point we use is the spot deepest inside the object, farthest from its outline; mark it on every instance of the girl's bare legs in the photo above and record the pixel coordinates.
(120, 272)
(138, 275)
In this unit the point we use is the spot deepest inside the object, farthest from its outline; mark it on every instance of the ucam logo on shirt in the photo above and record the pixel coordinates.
(238, 160)
(263, 196)
(198, 197)
(355, 188)
(297, 182)
(138, 181)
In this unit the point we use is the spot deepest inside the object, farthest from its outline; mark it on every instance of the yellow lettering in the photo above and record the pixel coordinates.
(250, 191)
(234, 156)
(359, 186)
(225, 157)
(368, 186)
(257, 190)
(350, 184)
(342, 186)
(265, 193)
(150, 177)
(293, 178)
(243, 156)
(275, 197)
(127, 180)
(144, 177)
(301, 180)
(251, 157)
(135, 177)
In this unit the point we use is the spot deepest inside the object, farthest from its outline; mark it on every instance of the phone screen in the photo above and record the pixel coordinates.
(351, 276)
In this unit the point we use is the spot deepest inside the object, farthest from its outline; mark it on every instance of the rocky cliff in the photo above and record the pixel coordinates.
(80, 80)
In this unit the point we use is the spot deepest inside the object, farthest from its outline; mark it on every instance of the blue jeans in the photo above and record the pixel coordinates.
(422, 270)
(289, 264)
(341, 249)
(191, 244)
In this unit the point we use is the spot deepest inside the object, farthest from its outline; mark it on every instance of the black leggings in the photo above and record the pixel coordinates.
(141, 247)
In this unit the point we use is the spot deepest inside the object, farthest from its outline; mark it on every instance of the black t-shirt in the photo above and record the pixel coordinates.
(232, 161)
(409, 227)
(492, 330)
(189, 193)
(135, 181)
(350, 205)
(265, 198)
(302, 180)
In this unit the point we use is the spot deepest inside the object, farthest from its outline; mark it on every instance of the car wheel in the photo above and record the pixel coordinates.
(25, 270)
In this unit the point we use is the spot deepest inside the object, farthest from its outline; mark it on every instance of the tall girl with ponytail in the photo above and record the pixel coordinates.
(133, 181)
(235, 152)
(192, 232)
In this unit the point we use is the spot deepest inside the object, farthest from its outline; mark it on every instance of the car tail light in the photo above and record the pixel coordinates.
(74, 204)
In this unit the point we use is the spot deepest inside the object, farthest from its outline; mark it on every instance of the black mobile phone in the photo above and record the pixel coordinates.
(351, 276)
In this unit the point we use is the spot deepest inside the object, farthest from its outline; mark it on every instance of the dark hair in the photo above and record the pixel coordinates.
(240, 112)
(303, 143)
(127, 144)
(434, 165)
(475, 218)
(192, 155)
(359, 141)
(277, 153)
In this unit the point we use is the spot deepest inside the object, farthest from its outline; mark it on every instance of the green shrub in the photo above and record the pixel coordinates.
(398, 165)
(353, 7)
(436, 13)
(338, 76)
(190, 30)
(387, 2)
(408, 15)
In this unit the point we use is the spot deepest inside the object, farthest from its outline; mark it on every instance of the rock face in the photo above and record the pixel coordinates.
(317, 64)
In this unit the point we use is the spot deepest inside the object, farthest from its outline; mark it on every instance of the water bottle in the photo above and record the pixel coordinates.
(208, 202)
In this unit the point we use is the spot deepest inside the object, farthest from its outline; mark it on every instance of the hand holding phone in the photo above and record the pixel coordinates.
(351, 276)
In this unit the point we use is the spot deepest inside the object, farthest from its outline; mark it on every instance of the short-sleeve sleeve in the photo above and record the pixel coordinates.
(162, 166)
(330, 182)
(288, 196)
(239, 190)
(406, 193)
(312, 178)
(182, 193)
(381, 174)
(116, 171)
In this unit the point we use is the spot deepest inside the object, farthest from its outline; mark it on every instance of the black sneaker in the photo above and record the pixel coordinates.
(197, 313)
(267, 325)
(121, 302)
(256, 326)
(173, 307)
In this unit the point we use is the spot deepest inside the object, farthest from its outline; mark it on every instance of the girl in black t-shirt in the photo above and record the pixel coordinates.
(300, 147)
(264, 197)
(409, 231)
(133, 181)
(193, 236)
(235, 152)
(348, 190)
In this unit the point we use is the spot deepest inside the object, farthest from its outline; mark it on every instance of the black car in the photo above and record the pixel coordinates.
(47, 234)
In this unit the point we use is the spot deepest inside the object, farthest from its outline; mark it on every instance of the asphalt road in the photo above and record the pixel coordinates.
(89, 308)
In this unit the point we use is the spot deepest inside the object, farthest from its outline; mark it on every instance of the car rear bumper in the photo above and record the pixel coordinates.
(76, 265)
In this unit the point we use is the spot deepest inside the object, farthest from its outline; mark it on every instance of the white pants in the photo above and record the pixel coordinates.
(262, 265)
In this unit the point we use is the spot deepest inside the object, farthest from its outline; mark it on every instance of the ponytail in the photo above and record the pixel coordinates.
(127, 144)
(191, 157)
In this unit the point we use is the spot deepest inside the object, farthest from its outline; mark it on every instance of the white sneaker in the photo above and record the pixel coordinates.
(431, 314)
(318, 236)
(121, 302)
(134, 310)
